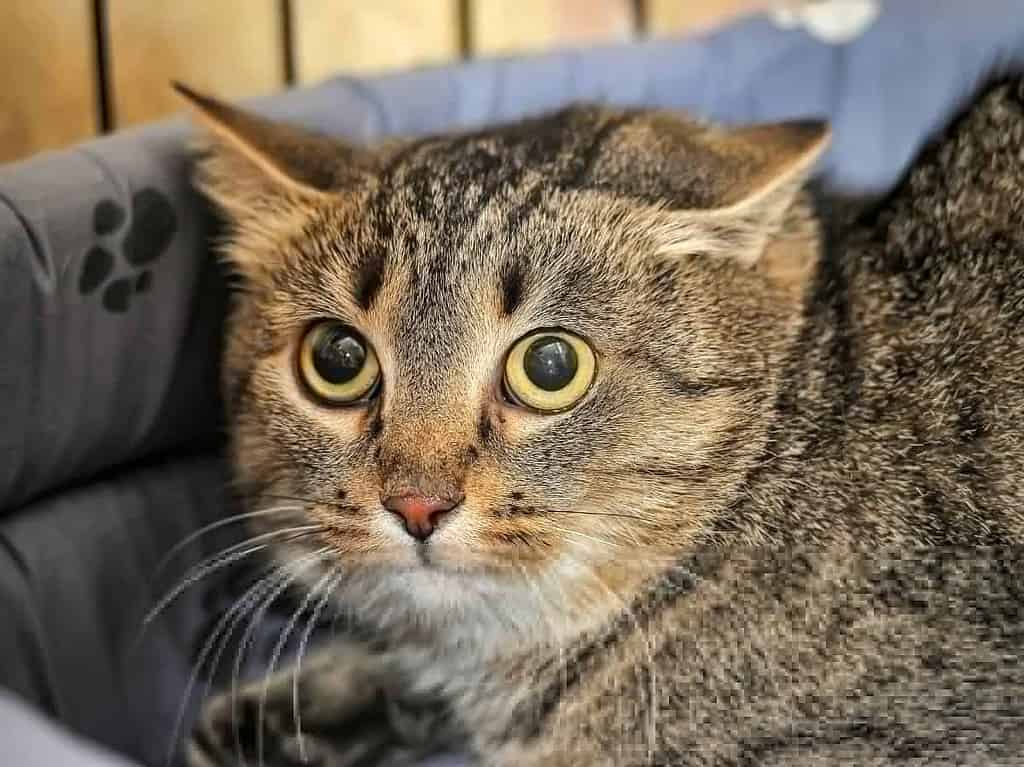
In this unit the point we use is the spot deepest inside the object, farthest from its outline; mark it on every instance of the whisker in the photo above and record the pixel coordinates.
(303, 642)
(301, 499)
(227, 622)
(249, 600)
(651, 667)
(595, 539)
(273, 588)
(275, 656)
(620, 515)
(197, 575)
(233, 519)
(544, 601)
(299, 566)
(219, 561)
(260, 538)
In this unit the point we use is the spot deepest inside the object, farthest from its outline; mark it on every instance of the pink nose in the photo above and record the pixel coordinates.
(420, 513)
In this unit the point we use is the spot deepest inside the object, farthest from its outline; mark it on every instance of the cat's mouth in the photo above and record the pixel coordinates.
(441, 560)
(429, 558)
(376, 538)
(423, 555)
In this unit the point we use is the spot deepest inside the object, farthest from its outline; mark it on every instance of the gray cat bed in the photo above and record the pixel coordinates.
(111, 308)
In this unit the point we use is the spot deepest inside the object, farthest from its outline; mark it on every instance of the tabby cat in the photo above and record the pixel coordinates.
(613, 451)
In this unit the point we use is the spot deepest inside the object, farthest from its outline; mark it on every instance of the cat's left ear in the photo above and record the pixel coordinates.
(254, 166)
(762, 169)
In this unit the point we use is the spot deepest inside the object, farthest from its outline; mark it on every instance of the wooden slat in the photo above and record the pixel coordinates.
(500, 26)
(232, 48)
(666, 17)
(334, 36)
(48, 91)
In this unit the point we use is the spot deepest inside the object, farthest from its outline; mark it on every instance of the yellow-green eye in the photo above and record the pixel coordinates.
(337, 364)
(549, 370)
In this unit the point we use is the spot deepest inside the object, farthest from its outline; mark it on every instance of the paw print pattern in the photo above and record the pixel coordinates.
(153, 225)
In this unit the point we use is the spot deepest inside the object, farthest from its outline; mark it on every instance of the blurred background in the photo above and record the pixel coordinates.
(71, 69)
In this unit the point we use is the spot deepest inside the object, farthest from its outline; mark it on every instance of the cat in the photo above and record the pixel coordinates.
(616, 450)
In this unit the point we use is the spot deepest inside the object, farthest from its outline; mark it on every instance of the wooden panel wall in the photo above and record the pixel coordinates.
(231, 47)
(500, 26)
(47, 75)
(359, 36)
(667, 17)
(70, 69)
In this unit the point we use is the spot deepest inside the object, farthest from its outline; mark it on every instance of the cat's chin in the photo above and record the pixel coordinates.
(439, 602)
(448, 596)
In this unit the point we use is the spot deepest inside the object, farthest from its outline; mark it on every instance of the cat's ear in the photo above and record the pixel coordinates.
(763, 169)
(252, 166)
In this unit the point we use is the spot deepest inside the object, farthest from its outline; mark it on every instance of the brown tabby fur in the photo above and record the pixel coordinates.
(782, 528)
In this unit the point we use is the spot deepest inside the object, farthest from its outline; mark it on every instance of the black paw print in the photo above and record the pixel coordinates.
(153, 226)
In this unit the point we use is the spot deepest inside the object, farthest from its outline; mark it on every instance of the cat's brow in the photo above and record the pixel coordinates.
(369, 276)
(512, 288)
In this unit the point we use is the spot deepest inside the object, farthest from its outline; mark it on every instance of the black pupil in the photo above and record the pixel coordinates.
(550, 363)
(338, 356)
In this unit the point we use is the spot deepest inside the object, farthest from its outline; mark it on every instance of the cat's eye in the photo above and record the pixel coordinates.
(337, 364)
(549, 370)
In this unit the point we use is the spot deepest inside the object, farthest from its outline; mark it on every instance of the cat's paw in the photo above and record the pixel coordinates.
(117, 263)
(239, 733)
(337, 716)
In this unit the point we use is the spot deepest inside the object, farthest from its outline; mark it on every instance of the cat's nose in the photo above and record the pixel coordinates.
(420, 513)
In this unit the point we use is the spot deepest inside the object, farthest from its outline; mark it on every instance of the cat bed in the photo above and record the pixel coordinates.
(112, 307)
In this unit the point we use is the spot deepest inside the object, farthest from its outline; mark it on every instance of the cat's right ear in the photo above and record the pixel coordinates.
(258, 170)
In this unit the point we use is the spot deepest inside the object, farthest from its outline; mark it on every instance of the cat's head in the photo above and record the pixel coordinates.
(509, 372)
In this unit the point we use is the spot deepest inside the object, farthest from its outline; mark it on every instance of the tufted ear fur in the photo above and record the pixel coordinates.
(272, 158)
(759, 205)
(263, 174)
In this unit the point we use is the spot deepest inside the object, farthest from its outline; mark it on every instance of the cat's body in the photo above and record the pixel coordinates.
(802, 467)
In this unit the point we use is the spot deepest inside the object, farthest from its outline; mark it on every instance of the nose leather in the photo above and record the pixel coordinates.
(420, 513)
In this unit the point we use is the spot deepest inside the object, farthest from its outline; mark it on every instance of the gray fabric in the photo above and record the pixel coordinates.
(82, 388)
(84, 577)
(28, 739)
(108, 407)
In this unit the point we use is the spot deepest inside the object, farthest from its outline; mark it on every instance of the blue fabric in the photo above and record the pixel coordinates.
(108, 363)
(885, 92)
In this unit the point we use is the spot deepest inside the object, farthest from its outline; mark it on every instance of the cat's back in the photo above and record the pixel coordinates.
(937, 276)
(902, 414)
(951, 235)
(938, 280)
